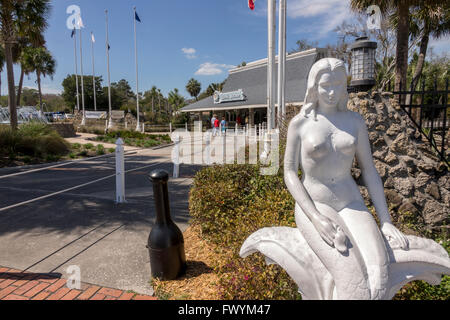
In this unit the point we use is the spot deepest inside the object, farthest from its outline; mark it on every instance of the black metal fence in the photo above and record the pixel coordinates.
(429, 110)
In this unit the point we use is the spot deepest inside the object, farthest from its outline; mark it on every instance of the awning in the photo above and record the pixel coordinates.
(231, 108)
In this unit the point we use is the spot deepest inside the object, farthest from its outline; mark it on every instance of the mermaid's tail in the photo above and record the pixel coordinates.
(425, 260)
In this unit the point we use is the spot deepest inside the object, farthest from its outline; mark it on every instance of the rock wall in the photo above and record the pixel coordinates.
(414, 179)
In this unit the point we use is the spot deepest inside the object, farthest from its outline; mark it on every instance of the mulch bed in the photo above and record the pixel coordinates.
(200, 282)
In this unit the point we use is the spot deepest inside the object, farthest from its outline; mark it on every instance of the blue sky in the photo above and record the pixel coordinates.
(180, 39)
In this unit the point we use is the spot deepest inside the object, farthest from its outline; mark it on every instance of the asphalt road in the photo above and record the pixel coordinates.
(84, 226)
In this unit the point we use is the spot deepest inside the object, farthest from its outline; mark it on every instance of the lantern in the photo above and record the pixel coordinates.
(363, 64)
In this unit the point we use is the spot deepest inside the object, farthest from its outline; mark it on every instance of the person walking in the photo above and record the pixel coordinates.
(213, 119)
(216, 127)
(223, 125)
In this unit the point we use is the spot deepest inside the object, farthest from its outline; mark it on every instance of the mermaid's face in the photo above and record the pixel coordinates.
(331, 87)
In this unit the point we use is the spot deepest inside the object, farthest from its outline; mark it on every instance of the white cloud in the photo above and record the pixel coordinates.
(189, 53)
(440, 46)
(210, 69)
(328, 14)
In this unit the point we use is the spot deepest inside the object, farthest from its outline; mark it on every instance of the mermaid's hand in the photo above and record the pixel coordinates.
(331, 233)
(393, 234)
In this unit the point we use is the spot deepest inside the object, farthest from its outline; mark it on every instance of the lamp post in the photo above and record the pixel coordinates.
(363, 64)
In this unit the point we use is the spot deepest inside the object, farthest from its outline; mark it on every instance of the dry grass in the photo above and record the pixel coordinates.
(200, 281)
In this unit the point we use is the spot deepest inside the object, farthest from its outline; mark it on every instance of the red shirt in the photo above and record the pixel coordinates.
(216, 123)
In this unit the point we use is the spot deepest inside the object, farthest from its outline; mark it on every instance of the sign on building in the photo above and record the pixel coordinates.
(220, 97)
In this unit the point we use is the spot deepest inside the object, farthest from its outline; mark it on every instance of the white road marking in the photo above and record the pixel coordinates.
(72, 188)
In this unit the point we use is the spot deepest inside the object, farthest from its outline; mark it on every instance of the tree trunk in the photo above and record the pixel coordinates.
(418, 71)
(0, 84)
(401, 64)
(19, 91)
(11, 89)
(40, 92)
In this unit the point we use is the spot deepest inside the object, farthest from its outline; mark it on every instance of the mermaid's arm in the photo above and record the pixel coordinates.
(374, 184)
(329, 231)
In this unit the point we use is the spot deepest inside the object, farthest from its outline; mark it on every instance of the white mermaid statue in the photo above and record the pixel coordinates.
(337, 250)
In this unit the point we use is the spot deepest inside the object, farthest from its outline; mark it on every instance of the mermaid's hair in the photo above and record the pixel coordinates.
(311, 97)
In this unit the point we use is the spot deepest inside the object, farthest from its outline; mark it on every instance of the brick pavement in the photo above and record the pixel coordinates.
(19, 285)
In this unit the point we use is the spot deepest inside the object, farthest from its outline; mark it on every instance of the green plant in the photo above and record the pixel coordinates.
(111, 150)
(100, 149)
(229, 203)
(88, 146)
(82, 153)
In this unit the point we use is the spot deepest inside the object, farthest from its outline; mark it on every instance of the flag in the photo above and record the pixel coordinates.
(80, 22)
(136, 16)
(251, 4)
(92, 37)
(73, 33)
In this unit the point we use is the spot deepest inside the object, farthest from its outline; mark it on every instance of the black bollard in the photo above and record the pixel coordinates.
(165, 242)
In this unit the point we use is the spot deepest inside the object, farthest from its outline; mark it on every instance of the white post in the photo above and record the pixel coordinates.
(109, 76)
(143, 127)
(120, 172)
(185, 124)
(126, 124)
(281, 60)
(176, 163)
(271, 8)
(224, 143)
(76, 67)
(235, 129)
(93, 71)
(137, 78)
(208, 148)
(170, 127)
(83, 121)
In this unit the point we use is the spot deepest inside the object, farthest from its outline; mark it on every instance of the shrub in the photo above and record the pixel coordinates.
(88, 146)
(229, 203)
(33, 139)
(111, 150)
(100, 149)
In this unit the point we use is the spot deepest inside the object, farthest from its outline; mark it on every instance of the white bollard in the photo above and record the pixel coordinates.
(126, 124)
(170, 127)
(176, 162)
(143, 127)
(120, 172)
(235, 129)
(186, 126)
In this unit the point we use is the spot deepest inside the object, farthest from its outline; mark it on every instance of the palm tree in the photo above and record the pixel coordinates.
(19, 17)
(428, 20)
(193, 87)
(401, 7)
(39, 60)
(176, 101)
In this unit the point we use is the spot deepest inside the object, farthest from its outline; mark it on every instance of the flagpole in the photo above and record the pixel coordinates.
(107, 65)
(93, 71)
(137, 78)
(271, 7)
(76, 66)
(281, 61)
(83, 121)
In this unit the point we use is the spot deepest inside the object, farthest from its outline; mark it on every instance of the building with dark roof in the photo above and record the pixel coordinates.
(244, 93)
